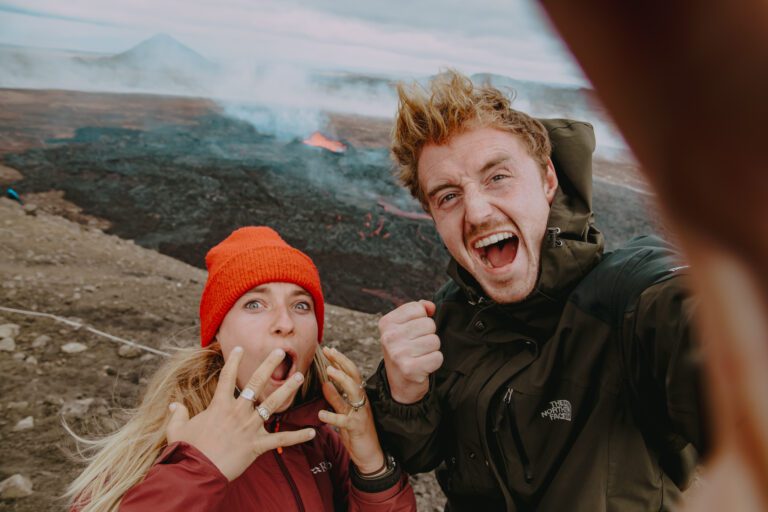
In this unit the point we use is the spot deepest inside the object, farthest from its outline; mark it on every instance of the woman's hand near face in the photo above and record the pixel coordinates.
(230, 432)
(356, 427)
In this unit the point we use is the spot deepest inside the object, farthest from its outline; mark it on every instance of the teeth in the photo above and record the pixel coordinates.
(492, 239)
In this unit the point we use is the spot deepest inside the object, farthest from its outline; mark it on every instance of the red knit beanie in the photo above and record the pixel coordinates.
(247, 258)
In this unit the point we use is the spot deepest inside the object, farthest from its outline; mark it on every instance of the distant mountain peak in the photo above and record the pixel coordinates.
(162, 50)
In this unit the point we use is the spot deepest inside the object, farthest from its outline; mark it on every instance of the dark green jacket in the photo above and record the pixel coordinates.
(580, 398)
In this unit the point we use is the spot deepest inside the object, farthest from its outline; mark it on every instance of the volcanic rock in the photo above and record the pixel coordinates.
(15, 486)
(25, 424)
(129, 351)
(73, 347)
(41, 341)
(9, 330)
(76, 408)
(7, 345)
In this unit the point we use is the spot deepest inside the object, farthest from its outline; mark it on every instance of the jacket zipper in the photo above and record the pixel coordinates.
(291, 483)
(516, 438)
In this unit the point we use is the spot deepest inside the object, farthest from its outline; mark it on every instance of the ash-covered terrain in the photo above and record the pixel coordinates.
(181, 186)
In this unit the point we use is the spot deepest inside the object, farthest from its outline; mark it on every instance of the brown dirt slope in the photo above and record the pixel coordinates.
(50, 264)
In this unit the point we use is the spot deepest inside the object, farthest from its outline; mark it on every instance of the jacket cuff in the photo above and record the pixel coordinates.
(372, 485)
(386, 405)
(396, 484)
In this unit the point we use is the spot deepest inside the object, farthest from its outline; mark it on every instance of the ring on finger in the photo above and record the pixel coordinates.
(248, 394)
(360, 403)
(263, 412)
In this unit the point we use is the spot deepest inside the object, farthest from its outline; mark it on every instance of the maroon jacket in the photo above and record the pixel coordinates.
(312, 476)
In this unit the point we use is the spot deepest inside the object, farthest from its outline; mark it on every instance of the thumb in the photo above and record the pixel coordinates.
(429, 306)
(179, 418)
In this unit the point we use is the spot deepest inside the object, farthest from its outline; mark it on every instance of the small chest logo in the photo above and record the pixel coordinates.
(322, 467)
(558, 410)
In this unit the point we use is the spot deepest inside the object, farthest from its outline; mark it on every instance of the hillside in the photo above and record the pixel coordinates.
(99, 283)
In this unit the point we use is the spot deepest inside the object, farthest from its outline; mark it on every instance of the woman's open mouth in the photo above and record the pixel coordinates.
(284, 369)
(497, 250)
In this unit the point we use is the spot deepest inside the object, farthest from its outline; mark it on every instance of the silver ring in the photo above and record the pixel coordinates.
(360, 403)
(263, 412)
(248, 394)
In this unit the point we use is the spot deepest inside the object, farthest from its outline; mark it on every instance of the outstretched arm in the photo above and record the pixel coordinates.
(685, 82)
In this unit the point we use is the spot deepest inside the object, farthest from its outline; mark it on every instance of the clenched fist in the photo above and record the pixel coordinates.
(411, 350)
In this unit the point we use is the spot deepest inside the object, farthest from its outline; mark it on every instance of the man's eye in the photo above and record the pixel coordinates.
(499, 177)
(446, 198)
(254, 304)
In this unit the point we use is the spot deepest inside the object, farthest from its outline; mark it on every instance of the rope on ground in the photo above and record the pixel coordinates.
(79, 325)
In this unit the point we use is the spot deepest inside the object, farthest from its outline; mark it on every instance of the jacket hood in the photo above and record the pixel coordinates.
(572, 245)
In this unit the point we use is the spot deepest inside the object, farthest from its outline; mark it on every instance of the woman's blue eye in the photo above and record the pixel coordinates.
(254, 304)
(304, 306)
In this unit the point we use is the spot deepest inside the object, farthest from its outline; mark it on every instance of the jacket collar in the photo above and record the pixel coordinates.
(301, 416)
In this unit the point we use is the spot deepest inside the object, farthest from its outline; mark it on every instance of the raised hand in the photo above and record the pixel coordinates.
(411, 349)
(353, 414)
(230, 432)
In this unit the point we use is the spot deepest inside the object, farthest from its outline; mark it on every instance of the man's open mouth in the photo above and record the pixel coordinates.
(283, 370)
(497, 250)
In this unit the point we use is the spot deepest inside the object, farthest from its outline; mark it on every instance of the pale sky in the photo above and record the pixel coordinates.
(395, 37)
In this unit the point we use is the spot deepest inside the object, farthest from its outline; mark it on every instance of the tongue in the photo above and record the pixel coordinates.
(281, 372)
(502, 253)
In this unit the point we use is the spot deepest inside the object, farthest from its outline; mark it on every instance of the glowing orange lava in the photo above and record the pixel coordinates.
(319, 140)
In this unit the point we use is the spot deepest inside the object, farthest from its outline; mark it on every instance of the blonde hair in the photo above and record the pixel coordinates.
(450, 106)
(120, 460)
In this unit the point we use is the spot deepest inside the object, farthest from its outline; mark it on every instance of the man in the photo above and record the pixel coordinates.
(545, 376)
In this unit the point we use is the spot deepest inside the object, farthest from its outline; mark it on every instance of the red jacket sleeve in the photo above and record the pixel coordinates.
(182, 479)
(399, 497)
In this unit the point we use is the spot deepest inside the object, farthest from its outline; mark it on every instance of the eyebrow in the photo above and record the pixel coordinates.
(295, 293)
(490, 164)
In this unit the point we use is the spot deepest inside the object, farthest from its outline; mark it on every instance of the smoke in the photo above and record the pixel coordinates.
(285, 100)
(290, 102)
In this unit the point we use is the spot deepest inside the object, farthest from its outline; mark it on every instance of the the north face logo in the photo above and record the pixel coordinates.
(558, 410)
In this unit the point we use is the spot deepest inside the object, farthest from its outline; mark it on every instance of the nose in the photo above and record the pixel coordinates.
(477, 208)
(282, 322)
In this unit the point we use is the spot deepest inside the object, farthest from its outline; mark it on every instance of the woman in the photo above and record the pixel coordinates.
(259, 437)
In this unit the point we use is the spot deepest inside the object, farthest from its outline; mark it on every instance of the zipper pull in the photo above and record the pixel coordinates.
(553, 237)
(502, 409)
(277, 429)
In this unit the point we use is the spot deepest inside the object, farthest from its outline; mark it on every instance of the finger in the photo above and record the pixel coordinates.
(429, 306)
(228, 377)
(350, 387)
(414, 329)
(272, 441)
(262, 374)
(429, 363)
(405, 313)
(179, 418)
(332, 418)
(333, 397)
(282, 394)
(423, 345)
(344, 363)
